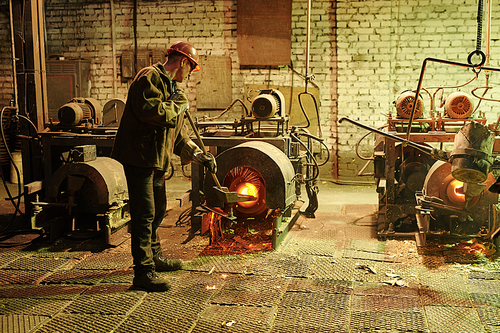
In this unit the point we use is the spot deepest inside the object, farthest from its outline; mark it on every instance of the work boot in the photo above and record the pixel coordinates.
(150, 281)
(164, 265)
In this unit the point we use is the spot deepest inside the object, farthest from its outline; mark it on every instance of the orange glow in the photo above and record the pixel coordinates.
(247, 189)
(247, 181)
(455, 192)
(459, 190)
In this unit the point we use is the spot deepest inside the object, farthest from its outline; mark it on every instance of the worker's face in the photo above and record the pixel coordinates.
(185, 68)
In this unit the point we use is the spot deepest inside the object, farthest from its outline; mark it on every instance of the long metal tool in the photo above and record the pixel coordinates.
(202, 145)
(434, 153)
(223, 193)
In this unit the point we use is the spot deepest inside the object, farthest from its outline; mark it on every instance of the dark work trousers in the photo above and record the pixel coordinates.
(148, 203)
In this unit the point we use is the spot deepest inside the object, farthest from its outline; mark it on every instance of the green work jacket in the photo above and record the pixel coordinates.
(151, 128)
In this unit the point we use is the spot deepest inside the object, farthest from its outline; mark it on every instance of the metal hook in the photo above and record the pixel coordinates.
(477, 52)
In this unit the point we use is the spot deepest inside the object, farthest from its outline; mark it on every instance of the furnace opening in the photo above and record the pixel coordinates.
(251, 231)
(247, 181)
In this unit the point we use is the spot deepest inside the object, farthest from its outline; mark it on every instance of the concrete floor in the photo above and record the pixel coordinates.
(331, 274)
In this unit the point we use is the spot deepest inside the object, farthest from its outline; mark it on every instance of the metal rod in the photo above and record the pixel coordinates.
(202, 145)
(113, 44)
(488, 37)
(419, 86)
(14, 73)
(425, 149)
(308, 41)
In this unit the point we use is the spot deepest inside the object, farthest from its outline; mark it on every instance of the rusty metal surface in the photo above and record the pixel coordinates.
(20, 323)
(322, 247)
(69, 322)
(311, 320)
(251, 290)
(106, 261)
(106, 175)
(451, 319)
(276, 264)
(219, 264)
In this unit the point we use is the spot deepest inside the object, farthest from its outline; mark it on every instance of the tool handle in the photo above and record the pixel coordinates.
(202, 145)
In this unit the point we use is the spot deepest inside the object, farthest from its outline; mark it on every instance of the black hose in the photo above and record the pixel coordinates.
(2, 133)
(316, 169)
(321, 141)
(19, 196)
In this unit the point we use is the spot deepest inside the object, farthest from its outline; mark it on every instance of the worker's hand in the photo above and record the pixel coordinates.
(207, 160)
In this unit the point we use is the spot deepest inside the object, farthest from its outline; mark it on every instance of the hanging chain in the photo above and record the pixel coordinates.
(478, 51)
(479, 25)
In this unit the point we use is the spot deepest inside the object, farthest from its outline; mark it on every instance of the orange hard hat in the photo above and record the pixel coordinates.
(188, 50)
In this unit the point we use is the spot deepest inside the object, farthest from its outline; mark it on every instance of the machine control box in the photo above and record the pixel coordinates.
(85, 153)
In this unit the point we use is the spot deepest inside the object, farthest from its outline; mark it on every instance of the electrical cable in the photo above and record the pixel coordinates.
(16, 206)
(316, 169)
(322, 143)
(20, 194)
(247, 114)
(362, 138)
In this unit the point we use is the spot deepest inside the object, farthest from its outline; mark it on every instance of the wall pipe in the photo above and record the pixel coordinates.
(113, 44)
(308, 40)
(478, 66)
(14, 73)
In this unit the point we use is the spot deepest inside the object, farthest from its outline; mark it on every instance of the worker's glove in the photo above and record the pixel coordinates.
(207, 160)
(181, 100)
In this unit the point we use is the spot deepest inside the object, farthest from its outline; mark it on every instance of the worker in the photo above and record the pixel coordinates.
(151, 129)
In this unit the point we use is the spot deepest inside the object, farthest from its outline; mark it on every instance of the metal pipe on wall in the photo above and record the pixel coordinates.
(14, 74)
(308, 40)
(113, 44)
(41, 78)
(488, 33)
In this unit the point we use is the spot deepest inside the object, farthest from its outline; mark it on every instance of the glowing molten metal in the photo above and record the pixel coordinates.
(247, 181)
(247, 189)
(455, 192)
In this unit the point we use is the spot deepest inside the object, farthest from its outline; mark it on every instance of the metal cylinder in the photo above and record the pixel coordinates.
(471, 156)
(264, 106)
(73, 114)
(268, 103)
(104, 180)
(405, 103)
(459, 105)
(80, 110)
(267, 160)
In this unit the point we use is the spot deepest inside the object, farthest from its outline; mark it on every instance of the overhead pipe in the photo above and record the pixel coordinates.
(478, 66)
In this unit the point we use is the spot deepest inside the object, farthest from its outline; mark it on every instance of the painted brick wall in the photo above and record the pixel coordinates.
(381, 49)
(363, 53)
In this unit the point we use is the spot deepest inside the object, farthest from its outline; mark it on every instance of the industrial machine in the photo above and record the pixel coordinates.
(260, 155)
(423, 187)
(85, 191)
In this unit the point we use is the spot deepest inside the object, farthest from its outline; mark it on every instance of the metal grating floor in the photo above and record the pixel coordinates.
(244, 319)
(324, 281)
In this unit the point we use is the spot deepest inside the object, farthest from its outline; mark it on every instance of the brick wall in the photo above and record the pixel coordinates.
(6, 86)
(381, 46)
(363, 53)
